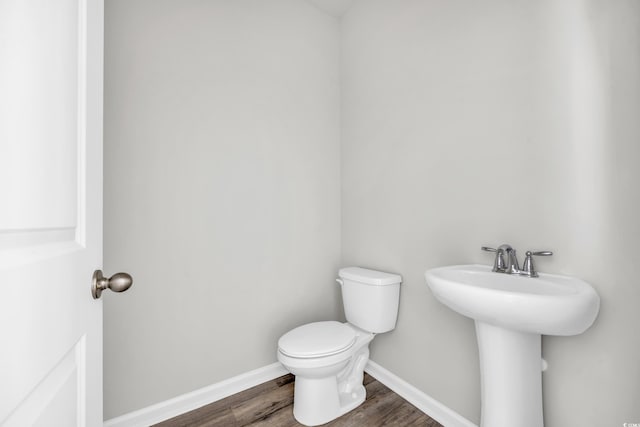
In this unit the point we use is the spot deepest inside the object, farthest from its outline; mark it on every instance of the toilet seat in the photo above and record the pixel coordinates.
(318, 339)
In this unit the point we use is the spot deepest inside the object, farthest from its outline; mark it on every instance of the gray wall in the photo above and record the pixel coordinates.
(463, 124)
(222, 194)
(480, 123)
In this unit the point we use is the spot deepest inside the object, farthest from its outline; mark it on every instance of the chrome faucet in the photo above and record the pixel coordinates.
(512, 266)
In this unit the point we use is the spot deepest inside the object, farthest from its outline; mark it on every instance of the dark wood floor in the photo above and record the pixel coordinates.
(271, 405)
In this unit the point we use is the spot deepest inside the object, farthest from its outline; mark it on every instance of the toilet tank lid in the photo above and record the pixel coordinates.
(369, 277)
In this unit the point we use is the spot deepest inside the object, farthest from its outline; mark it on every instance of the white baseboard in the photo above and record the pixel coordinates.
(427, 404)
(187, 402)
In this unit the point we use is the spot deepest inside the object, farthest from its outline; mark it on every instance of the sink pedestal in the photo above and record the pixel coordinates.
(510, 376)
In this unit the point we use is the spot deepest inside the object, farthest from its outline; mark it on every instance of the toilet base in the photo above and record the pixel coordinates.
(350, 401)
(316, 401)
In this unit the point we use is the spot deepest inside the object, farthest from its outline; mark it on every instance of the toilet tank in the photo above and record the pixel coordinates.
(370, 298)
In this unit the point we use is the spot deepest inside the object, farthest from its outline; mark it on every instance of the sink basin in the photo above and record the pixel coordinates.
(511, 314)
(546, 305)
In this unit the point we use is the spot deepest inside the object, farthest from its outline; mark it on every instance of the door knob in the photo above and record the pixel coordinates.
(119, 282)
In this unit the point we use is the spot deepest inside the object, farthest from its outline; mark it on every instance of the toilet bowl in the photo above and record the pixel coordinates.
(328, 358)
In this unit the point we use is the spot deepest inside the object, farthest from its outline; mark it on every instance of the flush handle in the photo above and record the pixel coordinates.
(119, 282)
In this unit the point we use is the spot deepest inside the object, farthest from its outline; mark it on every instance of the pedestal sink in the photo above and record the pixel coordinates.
(511, 313)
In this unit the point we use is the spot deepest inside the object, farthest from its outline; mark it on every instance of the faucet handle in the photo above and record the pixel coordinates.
(528, 269)
(498, 263)
(540, 253)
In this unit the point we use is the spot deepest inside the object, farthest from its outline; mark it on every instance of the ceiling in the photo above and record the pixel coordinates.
(336, 8)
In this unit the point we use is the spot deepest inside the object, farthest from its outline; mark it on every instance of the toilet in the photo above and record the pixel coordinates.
(328, 358)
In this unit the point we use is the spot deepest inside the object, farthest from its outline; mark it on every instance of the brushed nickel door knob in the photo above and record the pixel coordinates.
(119, 282)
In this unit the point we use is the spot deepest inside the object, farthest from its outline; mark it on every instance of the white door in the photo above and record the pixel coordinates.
(50, 212)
